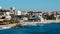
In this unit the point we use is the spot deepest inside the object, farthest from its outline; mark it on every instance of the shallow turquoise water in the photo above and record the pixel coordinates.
(34, 29)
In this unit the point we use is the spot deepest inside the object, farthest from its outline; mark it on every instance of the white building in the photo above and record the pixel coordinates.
(23, 12)
(18, 12)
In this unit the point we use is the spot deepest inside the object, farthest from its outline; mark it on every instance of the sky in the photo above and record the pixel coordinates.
(40, 5)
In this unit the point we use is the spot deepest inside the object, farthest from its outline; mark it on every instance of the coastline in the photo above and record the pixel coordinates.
(8, 26)
(39, 22)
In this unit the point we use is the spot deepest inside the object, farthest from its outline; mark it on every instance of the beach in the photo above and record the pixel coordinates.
(39, 22)
(28, 23)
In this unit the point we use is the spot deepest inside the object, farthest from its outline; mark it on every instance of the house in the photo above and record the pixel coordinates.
(24, 12)
(3, 14)
(48, 16)
(57, 15)
(18, 12)
(36, 16)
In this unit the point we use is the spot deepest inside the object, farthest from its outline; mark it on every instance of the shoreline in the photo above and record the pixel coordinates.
(39, 22)
(8, 26)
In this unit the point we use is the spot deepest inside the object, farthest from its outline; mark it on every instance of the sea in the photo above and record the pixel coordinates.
(52, 28)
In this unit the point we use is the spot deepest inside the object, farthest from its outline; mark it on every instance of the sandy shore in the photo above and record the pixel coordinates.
(39, 22)
(28, 23)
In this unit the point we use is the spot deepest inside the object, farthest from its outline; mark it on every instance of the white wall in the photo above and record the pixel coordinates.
(18, 12)
(23, 12)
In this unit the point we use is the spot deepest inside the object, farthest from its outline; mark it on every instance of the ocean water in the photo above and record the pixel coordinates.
(53, 28)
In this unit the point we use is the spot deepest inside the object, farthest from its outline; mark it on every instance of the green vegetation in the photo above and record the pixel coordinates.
(13, 21)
